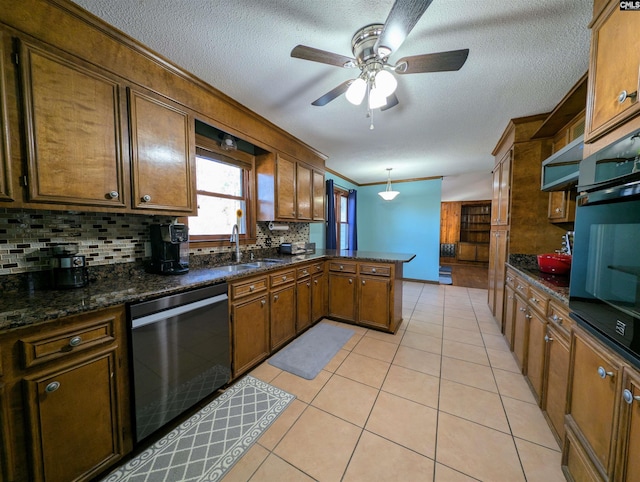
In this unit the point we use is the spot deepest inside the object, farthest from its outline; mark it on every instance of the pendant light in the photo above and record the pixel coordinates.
(388, 194)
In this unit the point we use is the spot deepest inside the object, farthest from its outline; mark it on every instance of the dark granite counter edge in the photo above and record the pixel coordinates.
(38, 306)
(549, 284)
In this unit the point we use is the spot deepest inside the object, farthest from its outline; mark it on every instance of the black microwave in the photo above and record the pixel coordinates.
(604, 293)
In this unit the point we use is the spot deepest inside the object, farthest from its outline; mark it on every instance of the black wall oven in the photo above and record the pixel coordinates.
(605, 273)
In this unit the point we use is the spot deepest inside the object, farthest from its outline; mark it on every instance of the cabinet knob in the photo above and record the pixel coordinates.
(315, 281)
(624, 95)
(52, 387)
(534, 300)
(520, 287)
(522, 309)
(114, 195)
(364, 282)
(308, 284)
(373, 270)
(75, 341)
(284, 278)
(252, 287)
(628, 396)
(557, 319)
(350, 281)
(602, 373)
(528, 316)
(146, 198)
(341, 267)
(275, 298)
(558, 210)
(263, 302)
(547, 338)
(304, 271)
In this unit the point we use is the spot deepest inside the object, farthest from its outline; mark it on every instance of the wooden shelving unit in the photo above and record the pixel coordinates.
(475, 228)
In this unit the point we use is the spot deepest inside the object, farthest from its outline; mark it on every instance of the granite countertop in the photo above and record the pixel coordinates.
(30, 307)
(556, 285)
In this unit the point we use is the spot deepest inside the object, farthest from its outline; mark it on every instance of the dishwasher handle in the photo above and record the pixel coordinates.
(163, 315)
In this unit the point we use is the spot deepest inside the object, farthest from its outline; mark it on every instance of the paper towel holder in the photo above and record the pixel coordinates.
(278, 227)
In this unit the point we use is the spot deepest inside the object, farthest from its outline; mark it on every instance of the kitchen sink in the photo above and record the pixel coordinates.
(263, 263)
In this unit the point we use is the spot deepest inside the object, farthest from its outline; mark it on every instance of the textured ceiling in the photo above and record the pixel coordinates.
(524, 57)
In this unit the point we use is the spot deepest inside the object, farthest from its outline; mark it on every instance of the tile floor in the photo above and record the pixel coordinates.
(440, 400)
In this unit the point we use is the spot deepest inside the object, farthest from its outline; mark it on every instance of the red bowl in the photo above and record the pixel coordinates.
(556, 263)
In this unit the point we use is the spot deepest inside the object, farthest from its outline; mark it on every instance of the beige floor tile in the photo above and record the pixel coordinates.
(464, 351)
(540, 464)
(274, 468)
(319, 444)
(490, 327)
(473, 404)
(528, 423)
(247, 465)
(364, 369)
(418, 360)
(424, 328)
(265, 372)
(380, 350)
(503, 360)
(447, 474)
(388, 337)
(463, 336)
(465, 314)
(305, 390)
(513, 385)
(495, 342)
(469, 324)
(377, 459)
(468, 373)
(428, 315)
(338, 396)
(423, 342)
(335, 362)
(413, 385)
(270, 438)
(478, 451)
(353, 341)
(404, 422)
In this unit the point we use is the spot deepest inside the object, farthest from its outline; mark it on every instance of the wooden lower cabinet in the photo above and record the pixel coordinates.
(310, 295)
(342, 296)
(64, 402)
(509, 314)
(374, 302)
(536, 352)
(497, 260)
(318, 295)
(283, 315)
(303, 304)
(557, 375)
(520, 333)
(627, 460)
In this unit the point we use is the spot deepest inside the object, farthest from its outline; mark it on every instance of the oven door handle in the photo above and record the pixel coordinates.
(163, 315)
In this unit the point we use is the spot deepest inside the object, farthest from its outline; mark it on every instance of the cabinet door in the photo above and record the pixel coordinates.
(373, 302)
(497, 260)
(250, 325)
(536, 351)
(318, 296)
(509, 314)
(303, 304)
(466, 252)
(163, 150)
(283, 316)
(505, 190)
(72, 117)
(593, 396)
(5, 157)
(319, 190)
(615, 59)
(557, 366)
(303, 192)
(562, 206)
(7, 463)
(628, 462)
(79, 401)
(286, 188)
(342, 296)
(521, 333)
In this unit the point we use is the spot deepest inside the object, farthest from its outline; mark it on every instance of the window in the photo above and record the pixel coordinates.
(342, 217)
(223, 185)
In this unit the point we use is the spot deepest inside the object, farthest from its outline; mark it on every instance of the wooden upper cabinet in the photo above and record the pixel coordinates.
(286, 188)
(5, 165)
(501, 187)
(304, 195)
(163, 155)
(73, 126)
(319, 193)
(613, 70)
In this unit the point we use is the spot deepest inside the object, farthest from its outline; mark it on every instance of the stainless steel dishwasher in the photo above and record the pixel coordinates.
(180, 354)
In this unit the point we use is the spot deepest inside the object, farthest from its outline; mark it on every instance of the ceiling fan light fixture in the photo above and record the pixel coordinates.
(356, 91)
(388, 194)
(376, 99)
(386, 83)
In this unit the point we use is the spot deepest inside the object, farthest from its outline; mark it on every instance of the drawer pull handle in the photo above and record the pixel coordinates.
(308, 284)
(602, 373)
(628, 396)
(341, 267)
(624, 95)
(263, 302)
(52, 387)
(284, 278)
(315, 281)
(534, 300)
(520, 287)
(522, 309)
(304, 271)
(528, 316)
(364, 282)
(557, 319)
(275, 298)
(146, 198)
(114, 194)
(350, 281)
(252, 287)
(373, 270)
(75, 341)
(547, 338)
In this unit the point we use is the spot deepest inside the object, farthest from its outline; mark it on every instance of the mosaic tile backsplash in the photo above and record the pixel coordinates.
(26, 237)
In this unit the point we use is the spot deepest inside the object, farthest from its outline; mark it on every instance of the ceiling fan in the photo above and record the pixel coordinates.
(371, 46)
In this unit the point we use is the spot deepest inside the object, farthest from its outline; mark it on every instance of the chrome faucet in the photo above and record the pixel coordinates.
(235, 237)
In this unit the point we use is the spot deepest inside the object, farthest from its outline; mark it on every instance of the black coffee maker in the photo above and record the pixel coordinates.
(69, 268)
(169, 248)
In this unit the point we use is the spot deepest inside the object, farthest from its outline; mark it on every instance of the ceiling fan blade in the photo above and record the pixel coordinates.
(402, 18)
(438, 62)
(322, 56)
(392, 101)
(332, 94)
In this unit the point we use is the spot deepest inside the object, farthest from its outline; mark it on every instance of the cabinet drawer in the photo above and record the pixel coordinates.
(510, 278)
(246, 288)
(318, 268)
(521, 287)
(43, 348)
(375, 270)
(538, 300)
(282, 277)
(304, 272)
(558, 314)
(342, 267)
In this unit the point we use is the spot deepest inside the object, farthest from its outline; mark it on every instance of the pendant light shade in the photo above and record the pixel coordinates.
(388, 194)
